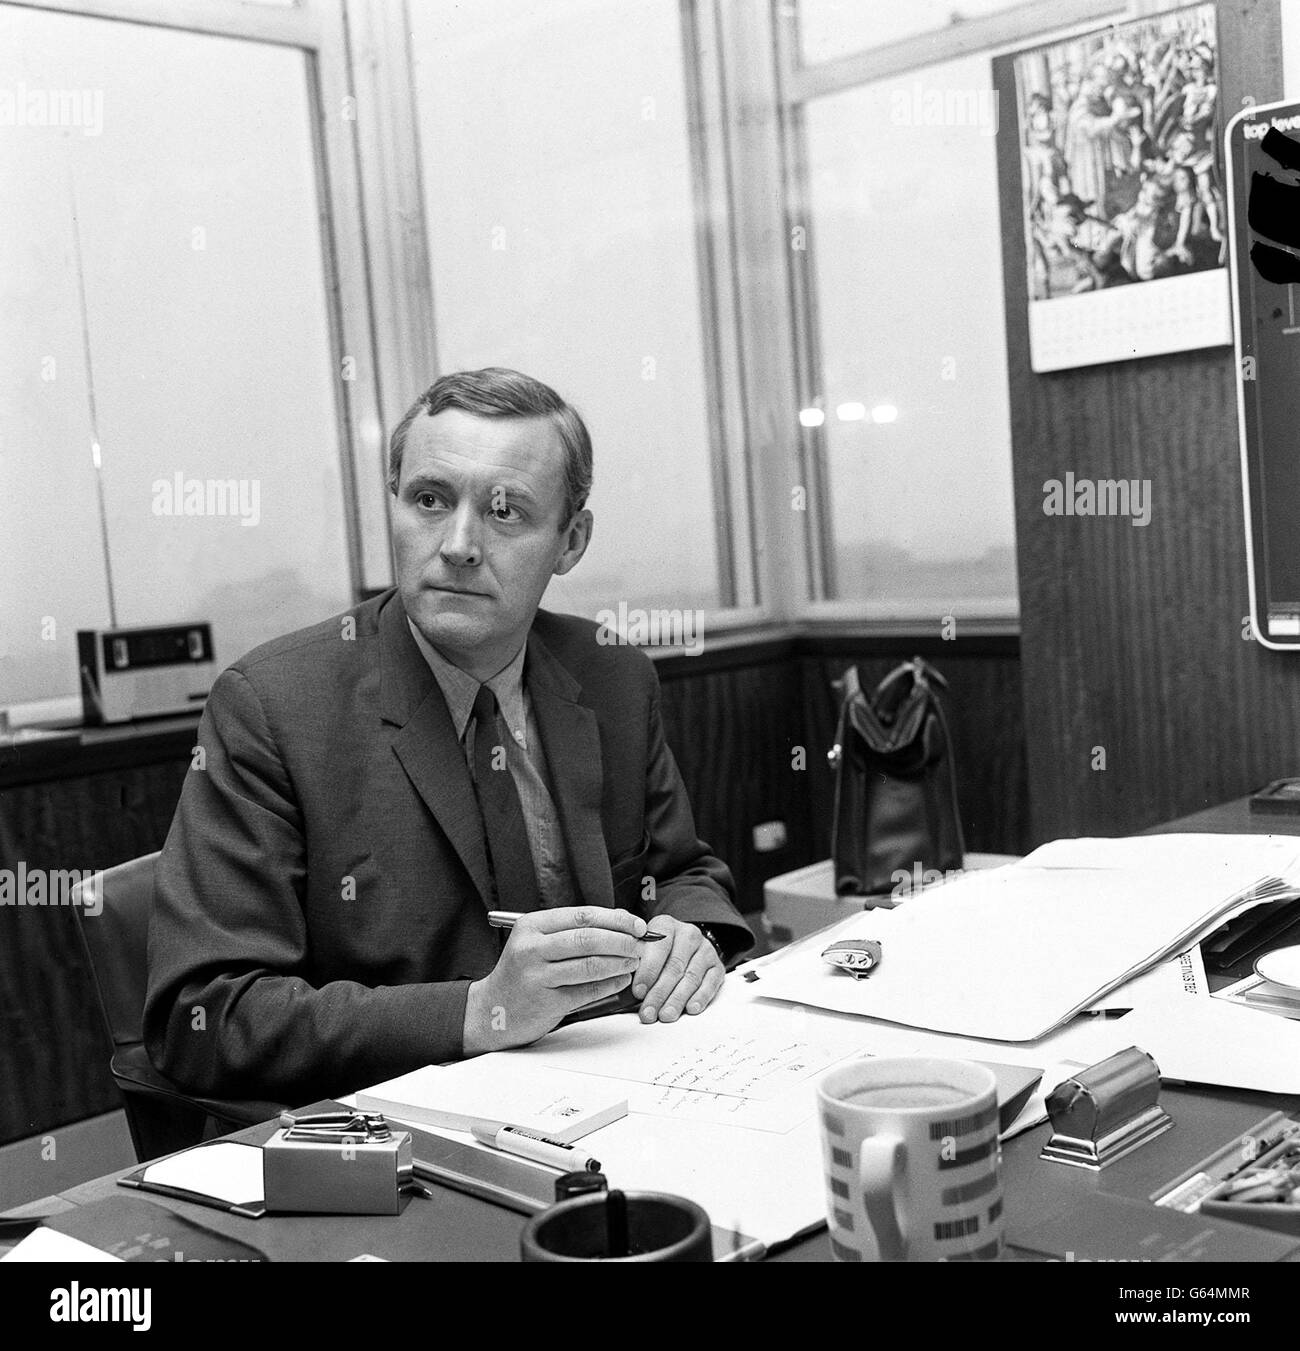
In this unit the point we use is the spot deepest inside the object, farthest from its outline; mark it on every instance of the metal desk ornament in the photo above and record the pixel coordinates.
(1107, 1111)
(858, 956)
(338, 1163)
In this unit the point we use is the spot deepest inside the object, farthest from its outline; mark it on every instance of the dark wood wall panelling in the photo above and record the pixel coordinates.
(733, 718)
(733, 732)
(1131, 637)
(53, 1049)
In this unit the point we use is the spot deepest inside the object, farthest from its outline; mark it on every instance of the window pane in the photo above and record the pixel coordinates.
(557, 180)
(906, 263)
(51, 546)
(198, 231)
(831, 28)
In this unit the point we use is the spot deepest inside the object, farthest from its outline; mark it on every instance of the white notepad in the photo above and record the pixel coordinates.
(554, 1103)
(225, 1170)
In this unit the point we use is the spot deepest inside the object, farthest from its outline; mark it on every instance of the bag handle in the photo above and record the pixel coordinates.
(918, 670)
(849, 688)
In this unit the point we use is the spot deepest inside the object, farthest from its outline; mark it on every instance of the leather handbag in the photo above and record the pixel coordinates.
(896, 814)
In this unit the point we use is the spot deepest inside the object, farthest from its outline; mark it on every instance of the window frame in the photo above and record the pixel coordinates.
(797, 85)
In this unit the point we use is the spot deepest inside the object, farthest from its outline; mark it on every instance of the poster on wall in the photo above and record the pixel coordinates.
(1126, 233)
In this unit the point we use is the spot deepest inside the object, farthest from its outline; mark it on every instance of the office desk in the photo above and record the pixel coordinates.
(449, 1227)
(1230, 818)
(455, 1227)
(1204, 1120)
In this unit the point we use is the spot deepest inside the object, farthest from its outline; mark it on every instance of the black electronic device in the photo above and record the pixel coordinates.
(1232, 949)
(1263, 159)
(1280, 798)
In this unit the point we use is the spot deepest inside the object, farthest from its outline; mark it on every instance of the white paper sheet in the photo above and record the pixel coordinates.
(1181, 977)
(1207, 1041)
(760, 1183)
(49, 1245)
(226, 1170)
(1065, 1043)
(1010, 955)
(750, 1056)
(721, 1109)
(490, 1092)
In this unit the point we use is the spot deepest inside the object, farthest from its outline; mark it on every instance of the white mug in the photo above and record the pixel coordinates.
(913, 1161)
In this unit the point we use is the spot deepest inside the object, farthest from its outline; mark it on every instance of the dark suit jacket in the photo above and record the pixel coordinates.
(322, 896)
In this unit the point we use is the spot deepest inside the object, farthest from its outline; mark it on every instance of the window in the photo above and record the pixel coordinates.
(169, 408)
(564, 241)
(905, 262)
(890, 126)
(891, 167)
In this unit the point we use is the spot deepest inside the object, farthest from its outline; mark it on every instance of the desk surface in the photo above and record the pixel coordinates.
(1230, 818)
(452, 1227)
(1204, 1120)
(455, 1227)
(448, 1227)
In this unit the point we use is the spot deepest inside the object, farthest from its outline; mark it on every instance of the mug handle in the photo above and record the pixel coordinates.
(879, 1164)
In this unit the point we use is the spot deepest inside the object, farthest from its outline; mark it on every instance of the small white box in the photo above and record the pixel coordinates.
(801, 902)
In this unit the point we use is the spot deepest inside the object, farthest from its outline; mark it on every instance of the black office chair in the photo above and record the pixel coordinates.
(162, 1117)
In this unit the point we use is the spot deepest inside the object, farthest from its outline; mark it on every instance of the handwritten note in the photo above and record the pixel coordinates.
(744, 1066)
(752, 1056)
(723, 1109)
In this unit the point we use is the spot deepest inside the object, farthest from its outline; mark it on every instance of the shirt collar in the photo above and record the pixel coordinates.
(459, 688)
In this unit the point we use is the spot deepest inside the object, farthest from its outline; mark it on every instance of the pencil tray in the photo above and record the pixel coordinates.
(1282, 1216)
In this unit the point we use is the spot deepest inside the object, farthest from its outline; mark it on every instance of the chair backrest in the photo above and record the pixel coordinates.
(116, 942)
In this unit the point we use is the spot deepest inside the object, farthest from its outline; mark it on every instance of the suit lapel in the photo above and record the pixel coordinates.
(426, 743)
(571, 741)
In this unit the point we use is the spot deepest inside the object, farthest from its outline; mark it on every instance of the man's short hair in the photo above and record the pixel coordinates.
(496, 391)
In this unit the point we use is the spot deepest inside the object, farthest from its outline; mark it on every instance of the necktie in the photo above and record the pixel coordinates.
(503, 816)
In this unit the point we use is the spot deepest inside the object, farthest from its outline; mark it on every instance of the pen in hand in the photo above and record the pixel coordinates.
(507, 919)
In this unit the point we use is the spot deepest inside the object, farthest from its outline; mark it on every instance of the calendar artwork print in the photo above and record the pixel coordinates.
(1122, 185)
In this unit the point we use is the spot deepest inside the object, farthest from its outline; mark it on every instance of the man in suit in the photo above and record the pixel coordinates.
(369, 788)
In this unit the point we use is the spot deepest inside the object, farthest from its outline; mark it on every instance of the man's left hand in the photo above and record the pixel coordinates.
(684, 972)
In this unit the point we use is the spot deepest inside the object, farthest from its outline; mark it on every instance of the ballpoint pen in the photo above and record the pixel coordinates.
(507, 919)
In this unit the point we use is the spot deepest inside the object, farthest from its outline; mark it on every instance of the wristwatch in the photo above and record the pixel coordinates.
(712, 935)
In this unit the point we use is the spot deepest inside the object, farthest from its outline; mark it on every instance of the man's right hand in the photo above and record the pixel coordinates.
(554, 963)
